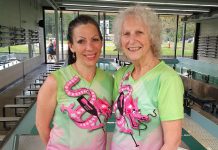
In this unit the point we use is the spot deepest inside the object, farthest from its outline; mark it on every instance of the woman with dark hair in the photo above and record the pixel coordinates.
(76, 99)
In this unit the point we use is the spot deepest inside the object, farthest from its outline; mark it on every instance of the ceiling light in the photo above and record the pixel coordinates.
(162, 3)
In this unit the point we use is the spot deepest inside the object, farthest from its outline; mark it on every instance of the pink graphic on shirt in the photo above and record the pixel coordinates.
(128, 109)
(93, 105)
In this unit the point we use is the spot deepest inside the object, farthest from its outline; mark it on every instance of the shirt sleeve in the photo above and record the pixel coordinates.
(170, 98)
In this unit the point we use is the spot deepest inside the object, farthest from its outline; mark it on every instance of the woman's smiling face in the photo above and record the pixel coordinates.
(135, 41)
(86, 44)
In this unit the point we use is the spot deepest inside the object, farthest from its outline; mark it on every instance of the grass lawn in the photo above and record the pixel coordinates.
(111, 49)
(15, 49)
(165, 51)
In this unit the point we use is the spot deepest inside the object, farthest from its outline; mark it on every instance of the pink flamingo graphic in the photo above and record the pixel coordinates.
(128, 109)
(93, 105)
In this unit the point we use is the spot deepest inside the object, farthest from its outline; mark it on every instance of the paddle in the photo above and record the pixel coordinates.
(88, 107)
(120, 106)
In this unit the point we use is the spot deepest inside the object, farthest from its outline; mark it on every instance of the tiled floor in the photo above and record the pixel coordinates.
(200, 134)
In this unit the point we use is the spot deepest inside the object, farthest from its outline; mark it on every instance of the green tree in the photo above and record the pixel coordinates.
(49, 24)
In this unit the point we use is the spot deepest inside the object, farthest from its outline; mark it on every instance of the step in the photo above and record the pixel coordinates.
(2, 137)
(9, 119)
(16, 107)
(26, 96)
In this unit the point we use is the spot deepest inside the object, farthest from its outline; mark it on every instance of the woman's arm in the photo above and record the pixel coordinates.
(46, 103)
(172, 132)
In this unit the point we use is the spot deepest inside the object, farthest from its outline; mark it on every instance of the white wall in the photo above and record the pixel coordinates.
(13, 73)
(10, 74)
(21, 14)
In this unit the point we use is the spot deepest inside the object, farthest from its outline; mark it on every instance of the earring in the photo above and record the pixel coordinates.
(74, 55)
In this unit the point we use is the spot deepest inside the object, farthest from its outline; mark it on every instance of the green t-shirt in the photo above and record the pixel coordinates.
(160, 89)
(67, 133)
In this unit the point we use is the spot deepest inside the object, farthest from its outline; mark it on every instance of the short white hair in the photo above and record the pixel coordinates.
(149, 18)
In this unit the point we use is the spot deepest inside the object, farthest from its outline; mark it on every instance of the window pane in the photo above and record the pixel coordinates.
(21, 51)
(168, 35)
(189, 38)
(189, 41)
(35, 48)
(67, 17)
(110, 49)
(4, 50)
(50, 33)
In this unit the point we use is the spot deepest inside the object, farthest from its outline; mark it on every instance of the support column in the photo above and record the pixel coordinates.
(183, 38)
(175, 42)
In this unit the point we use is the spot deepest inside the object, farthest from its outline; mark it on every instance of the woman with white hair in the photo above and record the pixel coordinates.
(148, 93)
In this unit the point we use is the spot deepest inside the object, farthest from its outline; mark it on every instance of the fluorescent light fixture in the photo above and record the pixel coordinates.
(96, 10)
(164, 9)
(160, 13)
(161, 3)
(85, 5)
(189, 10)
(174, 13)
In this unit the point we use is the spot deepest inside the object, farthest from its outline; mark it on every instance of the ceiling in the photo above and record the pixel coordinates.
(186, 7)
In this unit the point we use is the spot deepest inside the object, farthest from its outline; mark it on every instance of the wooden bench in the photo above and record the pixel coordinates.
(55, 67)
(2, 137)
(45, 73)
(40, 80)
(8, 119)
(58, 66)
(24, 98)
(14, 106)
(60, 63)
(35, 85)
(50, 70)
(32, 90)
(44, 76)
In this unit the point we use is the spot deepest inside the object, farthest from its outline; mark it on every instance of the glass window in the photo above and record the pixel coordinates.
(110, 48)
(67, 17)
(189, 40)
(50, 35)
(168, 35)
(21, 51)
(36, 50)
(4, 50)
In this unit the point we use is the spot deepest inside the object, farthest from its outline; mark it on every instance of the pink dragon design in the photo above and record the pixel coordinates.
(93, 105)
(127, 107)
